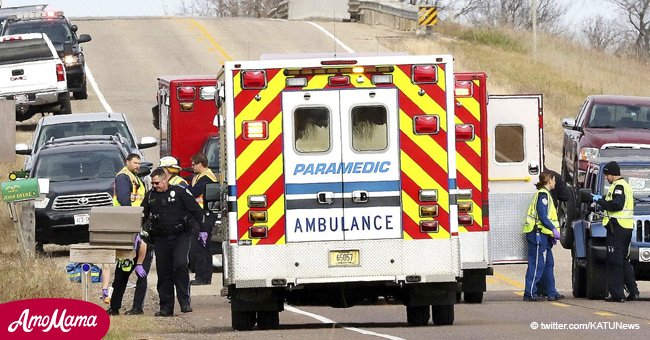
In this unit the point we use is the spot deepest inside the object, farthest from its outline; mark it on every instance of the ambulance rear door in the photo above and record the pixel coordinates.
(341, 165)
(515, 162)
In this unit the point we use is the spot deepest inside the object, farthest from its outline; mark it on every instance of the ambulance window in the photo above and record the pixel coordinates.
(509, 143)
(312, 129)
(369, 128)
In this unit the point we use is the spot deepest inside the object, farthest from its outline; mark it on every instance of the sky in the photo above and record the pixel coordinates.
(80, 8)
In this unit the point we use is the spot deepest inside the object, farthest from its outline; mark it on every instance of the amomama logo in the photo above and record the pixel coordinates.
(52, 319)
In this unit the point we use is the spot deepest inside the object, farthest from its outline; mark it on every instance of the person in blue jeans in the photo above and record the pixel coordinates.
(542, 231)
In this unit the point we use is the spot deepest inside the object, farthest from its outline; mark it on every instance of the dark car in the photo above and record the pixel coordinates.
(64, 38)
(81, 172)
(604, 122)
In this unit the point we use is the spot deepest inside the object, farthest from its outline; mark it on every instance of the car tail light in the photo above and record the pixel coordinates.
(465, 219)
(429, 226)
(426, 124)
(463, 88)
(60, 72)
(255, 129)
(339, 80)
(258, 231)
(185, 93)
(253, 79)
(12, 38)
(424, 74)
(464, 132)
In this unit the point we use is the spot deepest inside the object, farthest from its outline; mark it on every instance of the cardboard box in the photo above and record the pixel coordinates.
(114, 225)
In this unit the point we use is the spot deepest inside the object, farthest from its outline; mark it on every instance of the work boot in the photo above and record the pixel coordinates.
(134, 311)
(199, 283)
(632, 297)
(186, 309)
(534, 298)
(112, 311)
(555, 298)
(164, 313)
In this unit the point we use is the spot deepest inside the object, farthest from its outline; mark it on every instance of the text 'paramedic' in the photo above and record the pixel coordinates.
(341, 168)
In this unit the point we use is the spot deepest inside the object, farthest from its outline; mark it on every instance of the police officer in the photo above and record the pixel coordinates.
(541, 231)
(200, 249)
(172, 213)
(619, 221)
(172, 169)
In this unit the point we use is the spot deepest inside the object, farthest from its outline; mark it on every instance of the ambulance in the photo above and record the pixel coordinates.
(499, 152)
(184, 114)
(339, 182)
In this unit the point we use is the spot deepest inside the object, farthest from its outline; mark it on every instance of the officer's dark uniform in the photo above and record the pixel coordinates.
(171, 238)
(202, 255)
(619, 222)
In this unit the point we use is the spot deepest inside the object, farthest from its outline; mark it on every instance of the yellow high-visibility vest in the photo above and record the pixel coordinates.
(196, 178)
(137, 189)
(532, 217)
(624, 217)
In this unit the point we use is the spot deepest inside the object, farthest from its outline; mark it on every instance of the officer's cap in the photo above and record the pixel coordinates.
(612, 168)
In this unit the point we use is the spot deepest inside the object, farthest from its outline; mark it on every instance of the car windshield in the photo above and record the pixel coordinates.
(73, 129)
(638, 178)
(78, 165)
(57, 30)
(620, 116)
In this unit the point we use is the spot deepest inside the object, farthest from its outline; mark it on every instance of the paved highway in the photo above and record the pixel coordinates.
(126, 57)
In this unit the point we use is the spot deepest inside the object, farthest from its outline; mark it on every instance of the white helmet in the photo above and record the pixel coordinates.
(169, 162)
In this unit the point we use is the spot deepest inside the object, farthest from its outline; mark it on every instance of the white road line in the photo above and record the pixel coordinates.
(327, 33)
(100, 95)
(326, 320)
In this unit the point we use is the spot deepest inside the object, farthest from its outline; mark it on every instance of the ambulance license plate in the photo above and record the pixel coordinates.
(344, 258)
(81, 219)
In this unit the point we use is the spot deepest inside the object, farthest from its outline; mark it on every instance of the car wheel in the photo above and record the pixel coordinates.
(83, 93)
(567, 212)
(578, 279)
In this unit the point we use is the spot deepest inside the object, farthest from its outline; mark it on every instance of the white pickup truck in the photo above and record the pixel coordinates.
(32, 74)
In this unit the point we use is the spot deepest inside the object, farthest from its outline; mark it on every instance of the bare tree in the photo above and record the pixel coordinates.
(601, 33)
(638, 20)
(514, 13)
(227, 8)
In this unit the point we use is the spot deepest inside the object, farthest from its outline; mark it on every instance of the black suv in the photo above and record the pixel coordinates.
(64, 38)
(81, 171)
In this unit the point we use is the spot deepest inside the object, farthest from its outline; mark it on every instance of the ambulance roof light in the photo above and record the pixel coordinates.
(424, 74)
(253, 79)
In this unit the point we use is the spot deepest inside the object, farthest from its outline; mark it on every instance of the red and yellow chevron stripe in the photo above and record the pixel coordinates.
(470, 156)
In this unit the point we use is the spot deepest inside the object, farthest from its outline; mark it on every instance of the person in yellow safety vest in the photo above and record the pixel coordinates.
(200, 251)
(542, 231)
(172, 169)
(619, 221)
(129, 189)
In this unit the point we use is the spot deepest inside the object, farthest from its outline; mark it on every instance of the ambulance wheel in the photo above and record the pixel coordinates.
(268, 320)
(567, 211)
(578, 279)
(443, 314)
(242, 321)
(417, 315)
(596, 275)
(473, 297)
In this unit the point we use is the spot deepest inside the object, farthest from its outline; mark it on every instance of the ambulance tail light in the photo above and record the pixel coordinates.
(255, 130)
(257, 201)
(253, 79)
(338, 80)
(424, 74)
(428, 195)
(429, 210)
(258, 231)
(426, 124)
(296, 82)
(430, 226)
(382, 78)
(257, 216)
(465, 206)
(185, 93)
(465, 219)
(463, 89)
(464, 132)
(60, 72)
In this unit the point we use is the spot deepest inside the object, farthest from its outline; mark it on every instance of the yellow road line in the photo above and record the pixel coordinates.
(211, 39)
(560, 304)
(604, 314)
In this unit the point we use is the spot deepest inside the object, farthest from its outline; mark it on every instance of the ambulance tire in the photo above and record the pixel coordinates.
(596, 275)
(473, 297)
(578, 279)
(417, 315)
(268, 320)
(443, 314)
(243, 321)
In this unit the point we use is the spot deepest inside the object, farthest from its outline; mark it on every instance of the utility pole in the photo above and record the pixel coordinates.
(534, 18)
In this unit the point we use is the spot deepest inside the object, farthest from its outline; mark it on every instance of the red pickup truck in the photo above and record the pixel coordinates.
(604, 122)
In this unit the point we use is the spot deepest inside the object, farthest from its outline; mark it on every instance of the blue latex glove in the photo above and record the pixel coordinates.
(136, 241)
(139, 270)
(203, 237)
(556, 234)
(596, 197)
(104, 293)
